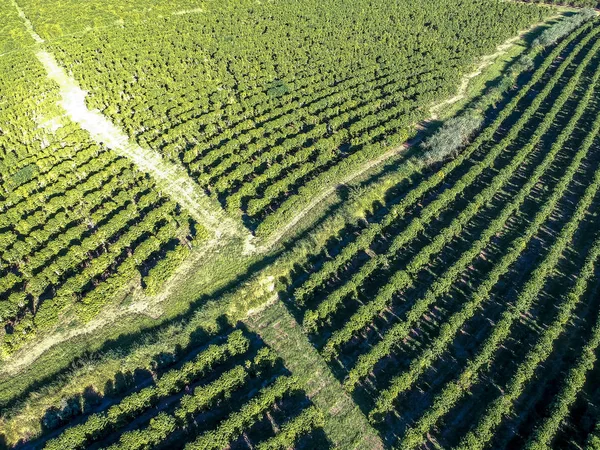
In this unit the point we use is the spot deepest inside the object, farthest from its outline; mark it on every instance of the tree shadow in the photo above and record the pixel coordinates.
(126, 343)
(77, 409)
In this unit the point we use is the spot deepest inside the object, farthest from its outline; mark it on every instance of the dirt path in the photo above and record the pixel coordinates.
(36, 37)
(346, 426)
(485, 61)
(171, 179)
(275, 238)
(141, 304)
(169, 176)
(29, 353)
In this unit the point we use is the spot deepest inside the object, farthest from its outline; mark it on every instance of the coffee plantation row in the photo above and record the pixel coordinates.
(273, 113)
(77, 222)
(199, 403)
(425, 304)
(368, 276)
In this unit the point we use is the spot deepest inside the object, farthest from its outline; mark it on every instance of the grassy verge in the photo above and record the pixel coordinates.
(490, 75)
(345, 425)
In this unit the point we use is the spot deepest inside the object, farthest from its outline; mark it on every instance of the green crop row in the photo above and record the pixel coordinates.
(400, 331)
(401, 383)
(201, 399)
(403, 279)
(98, 425)
(452, 392)
(484, 429)
(368, 235)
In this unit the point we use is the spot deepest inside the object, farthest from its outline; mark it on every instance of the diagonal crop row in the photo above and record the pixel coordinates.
(373, 230)
(100, 424)
(304, 423)
(442, 285)
(403, 279)
(235, 424)
(201, 399)
(386, 399)
(452, 392)
(310, 114)
(484, 430)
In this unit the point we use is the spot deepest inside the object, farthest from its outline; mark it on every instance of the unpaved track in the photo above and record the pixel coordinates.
(36, 37)
(142, 305)
(275, 238)
(346, 425)
(485, 61)
(169, 176)
(172, 178)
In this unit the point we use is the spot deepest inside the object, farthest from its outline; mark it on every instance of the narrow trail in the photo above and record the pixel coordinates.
(36, 37)
(174, 180)
(169, 176)
(141, 305)
(31, 352)
(275, 238)
(346, 426)
(485, 61)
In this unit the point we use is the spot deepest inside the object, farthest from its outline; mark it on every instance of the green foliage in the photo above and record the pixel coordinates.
(484, 431)
(128, 408)
(574, 3)
(564, 27)
(456, 389)
(274, 113)
(453, 135)
(235, 424)
(277, 88)
(594, 439)
(23, 175)
(455, 132)
(402, 279)
(232, 388)
(443, 285)
(79, 223)
(308, 420)
(202, 399)
(366, 238)
(164, 268)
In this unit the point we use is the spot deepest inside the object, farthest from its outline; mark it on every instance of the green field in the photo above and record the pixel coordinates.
(298, 224)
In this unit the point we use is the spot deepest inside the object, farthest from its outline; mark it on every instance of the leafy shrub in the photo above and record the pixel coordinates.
(453, 135)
